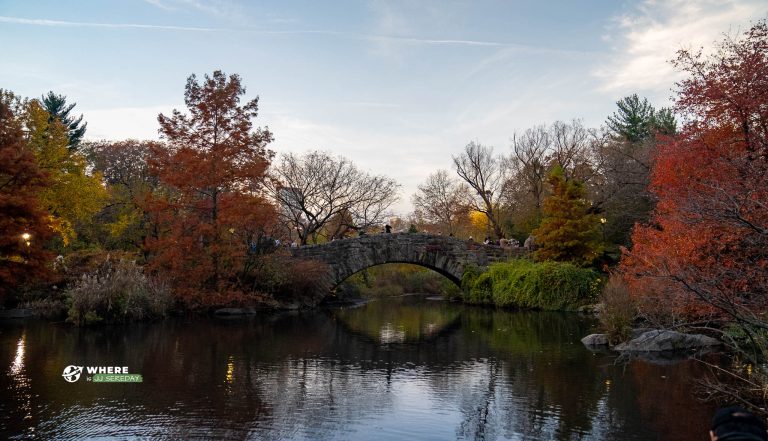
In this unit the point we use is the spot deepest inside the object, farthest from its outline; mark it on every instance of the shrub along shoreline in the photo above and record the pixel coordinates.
(95, 287)
(118, 290)
(524, 284)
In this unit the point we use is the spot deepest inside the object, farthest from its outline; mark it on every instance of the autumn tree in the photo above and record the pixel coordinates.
(316, 189)
(57, 108)
(210, 211)
(535, 153)
(441, 201)
(74, 195)
(486, 175)
(703, 258)
(569, 232)
(122, 223)
(704, 252)
(24, 223)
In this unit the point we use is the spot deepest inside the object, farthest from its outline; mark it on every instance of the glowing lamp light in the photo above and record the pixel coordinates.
(603, 220)
(26, 237)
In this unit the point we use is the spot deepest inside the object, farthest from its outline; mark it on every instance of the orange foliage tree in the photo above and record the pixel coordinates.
(210, 212)
(568, 230)
(24, 225)
(705, 251)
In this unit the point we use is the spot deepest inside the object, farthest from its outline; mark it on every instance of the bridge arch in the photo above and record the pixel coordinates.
(443, 254)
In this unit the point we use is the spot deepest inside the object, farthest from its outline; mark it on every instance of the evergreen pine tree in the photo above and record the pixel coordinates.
(56, 106)
(664, 122)
(633, 121)
(636, 120)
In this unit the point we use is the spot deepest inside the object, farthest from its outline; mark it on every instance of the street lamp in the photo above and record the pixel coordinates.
(602, 224)
(26, 238)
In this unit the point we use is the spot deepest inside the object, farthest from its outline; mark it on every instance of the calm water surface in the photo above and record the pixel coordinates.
(403, 369)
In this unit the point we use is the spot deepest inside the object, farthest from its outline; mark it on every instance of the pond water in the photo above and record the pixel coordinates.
(407, 368)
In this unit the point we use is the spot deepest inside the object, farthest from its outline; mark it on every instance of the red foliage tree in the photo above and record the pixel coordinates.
(706, 250)
(24, 225)
(210, 210)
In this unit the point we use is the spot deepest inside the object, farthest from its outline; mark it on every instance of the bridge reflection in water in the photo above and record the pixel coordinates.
(400, 320)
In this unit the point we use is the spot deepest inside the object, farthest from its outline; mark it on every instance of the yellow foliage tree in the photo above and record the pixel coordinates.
(480, 225)
(73, 196)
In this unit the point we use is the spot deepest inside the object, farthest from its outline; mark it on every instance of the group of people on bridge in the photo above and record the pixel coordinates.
(529, 243)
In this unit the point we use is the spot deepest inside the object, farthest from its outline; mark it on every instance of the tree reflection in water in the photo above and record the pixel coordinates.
(451, 372)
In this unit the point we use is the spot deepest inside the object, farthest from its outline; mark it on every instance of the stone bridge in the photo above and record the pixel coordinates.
(444, 254)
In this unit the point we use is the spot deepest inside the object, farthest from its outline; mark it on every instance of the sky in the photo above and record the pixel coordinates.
(397, 86)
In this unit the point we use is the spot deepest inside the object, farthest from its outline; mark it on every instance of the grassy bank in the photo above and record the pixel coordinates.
(524, 284)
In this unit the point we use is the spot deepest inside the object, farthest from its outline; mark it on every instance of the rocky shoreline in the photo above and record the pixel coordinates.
(653, 342)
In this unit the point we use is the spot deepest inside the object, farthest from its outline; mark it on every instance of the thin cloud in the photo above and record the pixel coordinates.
(432, 41)
(373, 37)
(369, 104)
(219, 8)
(387, 38)
(160, 4)
(506, 58)
(649, 37)
(61, 23)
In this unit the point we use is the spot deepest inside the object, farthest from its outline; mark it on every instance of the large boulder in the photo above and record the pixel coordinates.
(595, 340)
(660, 340)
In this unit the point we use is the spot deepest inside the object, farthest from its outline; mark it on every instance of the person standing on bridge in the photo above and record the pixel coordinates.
(530, 243)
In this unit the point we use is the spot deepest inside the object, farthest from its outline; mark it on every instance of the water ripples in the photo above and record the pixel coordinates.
(472, 374)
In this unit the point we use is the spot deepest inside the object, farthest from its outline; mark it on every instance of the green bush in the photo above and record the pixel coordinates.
(524, 284)
(118, 292)
(481, 291)
(471, 273)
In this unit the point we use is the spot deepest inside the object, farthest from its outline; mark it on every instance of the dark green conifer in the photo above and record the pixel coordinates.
(56, 106)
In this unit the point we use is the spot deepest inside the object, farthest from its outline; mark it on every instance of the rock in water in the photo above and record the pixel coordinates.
(664, 340)
(595, 340)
